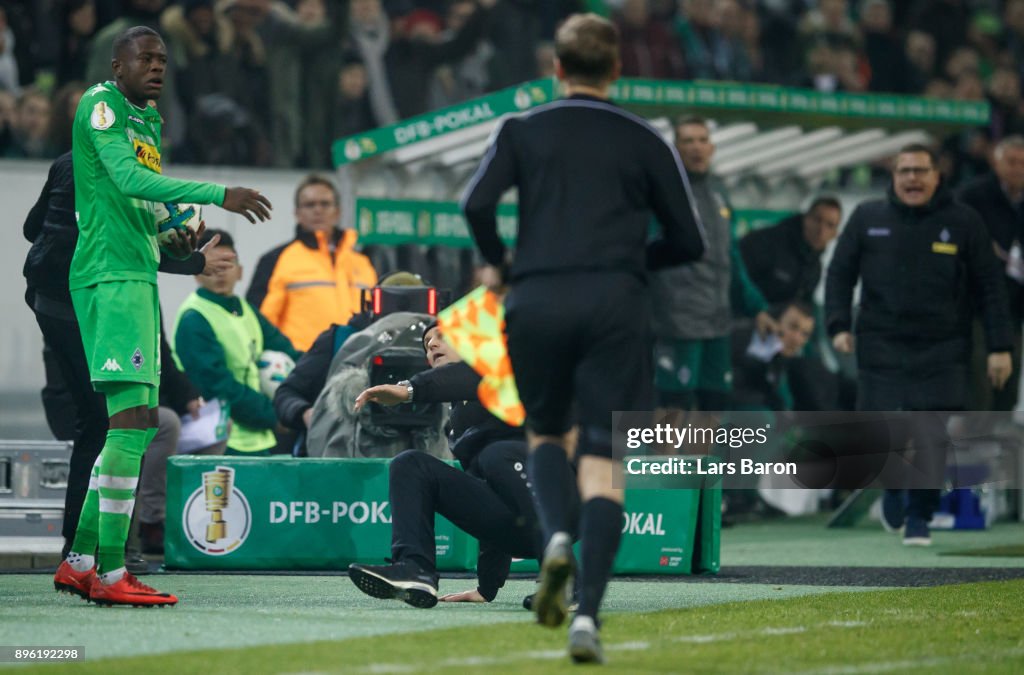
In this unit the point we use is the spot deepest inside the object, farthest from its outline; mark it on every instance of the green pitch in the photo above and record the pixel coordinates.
(970, 628)
(307, 624)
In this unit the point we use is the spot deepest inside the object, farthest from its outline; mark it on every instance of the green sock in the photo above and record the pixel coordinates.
(118, 477)
(87, 533)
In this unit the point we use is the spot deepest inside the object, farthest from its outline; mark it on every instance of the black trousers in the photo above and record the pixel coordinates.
(91, 421)
(580, 340)
(493, 505)
(930, 400)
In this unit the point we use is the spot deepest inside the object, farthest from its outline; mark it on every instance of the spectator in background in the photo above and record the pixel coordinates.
(545, 54)
(779, 39)
(925, 265)
(224, 133)
(400, 58)
(648, 47)
(514, 30)
(920, 52)
(218, 338)
(275, 46)
(212, 59)
(693, 304)
(963, 61)
(465, 79)
(697, 29)
(784, 260)
(31, 126)
(1005, 98)
(316, 279)
(1013, 21)
(882, 49)
(65, 103)
(945, 20)
(77, 20)
(998, 197)
(830, 20)
(741, 41)
(984, 35)
(352, 113)
(10, 78)
(8, 106)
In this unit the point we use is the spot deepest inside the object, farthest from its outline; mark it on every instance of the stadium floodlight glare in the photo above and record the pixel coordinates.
(863, 152)
(841, 144)
(758, 142)
(813, 140)
(448, 141)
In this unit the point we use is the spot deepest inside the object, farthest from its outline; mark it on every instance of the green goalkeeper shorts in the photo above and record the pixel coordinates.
(120, 324)
(693, 365)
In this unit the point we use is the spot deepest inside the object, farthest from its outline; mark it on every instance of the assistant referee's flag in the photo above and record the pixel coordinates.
(475, 326)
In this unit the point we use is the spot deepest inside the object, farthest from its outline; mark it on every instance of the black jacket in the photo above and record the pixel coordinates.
(300, 389)
(589, 176)
(1005, 224)
(923, 272)
(470, 426)
(780, 262)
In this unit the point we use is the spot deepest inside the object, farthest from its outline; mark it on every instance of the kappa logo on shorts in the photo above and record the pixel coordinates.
(112, 366)
(137, 359)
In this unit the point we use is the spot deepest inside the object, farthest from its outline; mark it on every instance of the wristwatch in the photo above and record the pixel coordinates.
(408, 387)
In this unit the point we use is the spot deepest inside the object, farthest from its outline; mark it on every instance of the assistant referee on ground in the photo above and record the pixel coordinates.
(589, 176)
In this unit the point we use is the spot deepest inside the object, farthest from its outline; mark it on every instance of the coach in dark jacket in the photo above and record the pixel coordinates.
(784, 260)
(998, 198)
(924, 262)
(489, 499)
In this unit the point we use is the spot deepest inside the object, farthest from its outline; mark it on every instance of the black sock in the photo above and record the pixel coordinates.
(552, 483)
(600, 531)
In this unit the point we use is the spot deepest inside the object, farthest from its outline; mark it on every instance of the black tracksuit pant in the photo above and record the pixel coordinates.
(91, 420)
(491, 502)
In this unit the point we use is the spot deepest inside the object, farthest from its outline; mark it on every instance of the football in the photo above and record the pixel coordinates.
(274, 367)
(170, 216)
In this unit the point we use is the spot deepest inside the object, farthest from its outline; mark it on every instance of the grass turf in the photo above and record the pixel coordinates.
(1011, 551)
(969, 628)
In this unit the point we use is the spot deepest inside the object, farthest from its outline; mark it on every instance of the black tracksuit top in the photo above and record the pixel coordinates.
(589, 175)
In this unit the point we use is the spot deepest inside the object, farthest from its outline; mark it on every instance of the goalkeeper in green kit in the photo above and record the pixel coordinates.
(118, 180)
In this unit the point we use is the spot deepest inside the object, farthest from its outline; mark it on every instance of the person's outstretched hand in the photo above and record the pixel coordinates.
(249, 203)
(384, 394)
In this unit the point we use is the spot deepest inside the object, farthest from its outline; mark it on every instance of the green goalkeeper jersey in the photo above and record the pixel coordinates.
(116, 152)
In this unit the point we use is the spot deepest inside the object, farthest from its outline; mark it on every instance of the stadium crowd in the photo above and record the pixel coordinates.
(272, 82)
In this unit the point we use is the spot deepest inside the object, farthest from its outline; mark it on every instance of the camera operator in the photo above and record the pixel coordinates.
(294, 399)
(489, 499)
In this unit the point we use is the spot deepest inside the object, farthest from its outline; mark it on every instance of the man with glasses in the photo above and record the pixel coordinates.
(316, 279)
(925, 263)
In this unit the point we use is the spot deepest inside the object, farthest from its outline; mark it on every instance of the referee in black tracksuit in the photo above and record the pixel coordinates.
(578, 318)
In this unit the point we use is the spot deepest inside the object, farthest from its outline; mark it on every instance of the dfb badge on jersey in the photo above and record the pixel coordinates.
(102, 116)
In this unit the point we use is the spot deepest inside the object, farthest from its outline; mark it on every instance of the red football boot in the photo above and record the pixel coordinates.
(129, 591)
(67, 580)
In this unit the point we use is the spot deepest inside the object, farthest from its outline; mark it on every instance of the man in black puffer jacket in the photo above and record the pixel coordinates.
(489, 499)
(925, 263)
